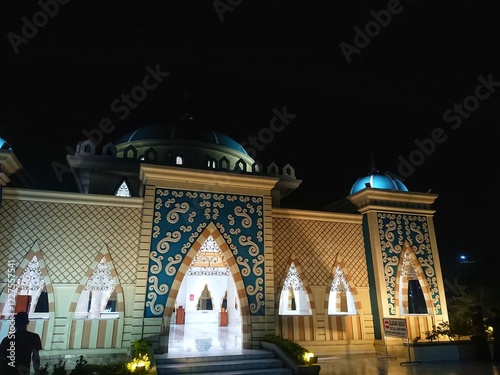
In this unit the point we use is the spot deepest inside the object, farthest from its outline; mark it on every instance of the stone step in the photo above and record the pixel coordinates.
(257, 363)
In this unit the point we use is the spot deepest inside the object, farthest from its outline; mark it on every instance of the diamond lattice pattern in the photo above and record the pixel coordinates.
(315, 245)
(70, 237)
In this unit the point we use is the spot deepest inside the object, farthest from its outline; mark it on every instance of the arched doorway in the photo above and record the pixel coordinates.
(209, 311)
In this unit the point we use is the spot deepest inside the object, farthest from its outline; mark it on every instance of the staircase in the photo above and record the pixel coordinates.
(261, 362)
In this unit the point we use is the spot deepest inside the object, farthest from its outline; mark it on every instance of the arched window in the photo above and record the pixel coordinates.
(412, 286)
(98, 298)
(294, 299)
(30, 293)
(205, 301)
(341, 299)
(123, 190)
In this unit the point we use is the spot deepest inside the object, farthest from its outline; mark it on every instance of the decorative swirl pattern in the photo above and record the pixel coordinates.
(205, 204)
(158, 289)
(257, 269)
(255, 307)
(235, 231)
(419, 237)
(391, 263)
(156, 309)
(157, 267)
(164, 244)
(156, 232)
(170, 270)
(192, 194)
(390, 226)
(246, 222)
(394, 231)
(252, 290)
(158, 202)
(206, 196)
(185, 229)
(157, 217)
(253, 248)
(168, 202)
(183, 216)
(243, 263)
(162, 193)
(180, 208)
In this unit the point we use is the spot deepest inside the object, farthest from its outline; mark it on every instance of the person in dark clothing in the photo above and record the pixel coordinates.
(20, 347)
(479, 336)
(494, 322)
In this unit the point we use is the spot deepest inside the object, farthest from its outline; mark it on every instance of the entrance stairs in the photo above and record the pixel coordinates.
(261, 362)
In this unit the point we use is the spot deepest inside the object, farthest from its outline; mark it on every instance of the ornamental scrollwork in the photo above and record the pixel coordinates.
(164, 244)
(169, 267)
(257, 270)
(178, 193)
(157, 309)
(253, 248)
(243, 263)
(254, 307)
(235, 231)
(246, 222)
(180, 208)
(157, 266)
(158, 289)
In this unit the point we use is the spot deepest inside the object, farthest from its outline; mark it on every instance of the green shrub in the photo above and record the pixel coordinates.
(295, 350)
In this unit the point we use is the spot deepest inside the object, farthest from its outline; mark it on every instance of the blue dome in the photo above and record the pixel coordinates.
(184, 129)
(3, 142)
(378, 181)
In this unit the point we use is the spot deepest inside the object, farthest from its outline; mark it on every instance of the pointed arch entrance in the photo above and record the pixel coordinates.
(201, 276)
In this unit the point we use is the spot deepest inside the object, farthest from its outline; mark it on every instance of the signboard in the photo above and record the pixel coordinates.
(395, 327)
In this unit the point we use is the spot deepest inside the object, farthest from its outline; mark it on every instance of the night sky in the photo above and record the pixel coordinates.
(416, 85)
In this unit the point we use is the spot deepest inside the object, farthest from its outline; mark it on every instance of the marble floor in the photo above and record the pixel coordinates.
(193, 340)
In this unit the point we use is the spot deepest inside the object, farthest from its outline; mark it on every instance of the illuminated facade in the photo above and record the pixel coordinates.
(175, 220)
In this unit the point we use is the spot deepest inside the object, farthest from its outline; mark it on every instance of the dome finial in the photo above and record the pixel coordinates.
(373, 169)
(186, 98)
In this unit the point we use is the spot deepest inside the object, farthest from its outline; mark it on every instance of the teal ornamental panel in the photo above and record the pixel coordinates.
(180, 216)
(394, 230)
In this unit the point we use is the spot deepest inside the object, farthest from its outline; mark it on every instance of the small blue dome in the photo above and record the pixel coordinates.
(378, 181)
(3, 142)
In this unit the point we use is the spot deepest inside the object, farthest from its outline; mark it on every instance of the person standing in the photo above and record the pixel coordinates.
(21, 347)
(479, 336)
(494, 322)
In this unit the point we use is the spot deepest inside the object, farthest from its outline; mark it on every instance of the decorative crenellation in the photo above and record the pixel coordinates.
(87, 147)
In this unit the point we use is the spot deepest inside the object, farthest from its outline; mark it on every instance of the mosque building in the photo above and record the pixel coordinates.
(177, 224)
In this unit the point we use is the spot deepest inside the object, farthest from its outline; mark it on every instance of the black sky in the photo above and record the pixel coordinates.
(271, 55)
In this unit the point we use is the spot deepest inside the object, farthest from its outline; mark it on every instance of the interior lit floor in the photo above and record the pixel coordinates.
(192, 340)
